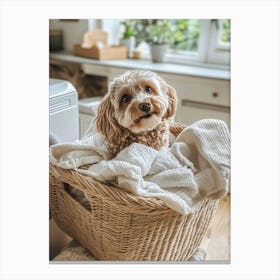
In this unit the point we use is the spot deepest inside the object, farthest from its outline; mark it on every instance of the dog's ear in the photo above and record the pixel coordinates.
(106, 123)
(172, 101)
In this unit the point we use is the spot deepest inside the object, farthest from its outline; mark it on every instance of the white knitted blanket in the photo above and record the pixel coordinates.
(194, 167)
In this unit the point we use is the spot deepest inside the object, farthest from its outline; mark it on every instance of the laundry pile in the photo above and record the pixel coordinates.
(194, 167)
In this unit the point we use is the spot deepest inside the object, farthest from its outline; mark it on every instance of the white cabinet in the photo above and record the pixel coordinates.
(189, 113)
(200, 98)
(87, 112)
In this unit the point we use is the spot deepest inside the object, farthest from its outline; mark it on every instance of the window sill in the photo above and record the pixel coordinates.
(202, 70)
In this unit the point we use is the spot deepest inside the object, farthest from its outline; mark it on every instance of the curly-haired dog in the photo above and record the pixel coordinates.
(139, 107)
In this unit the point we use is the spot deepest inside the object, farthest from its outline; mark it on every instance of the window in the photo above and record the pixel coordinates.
(224, 34)
(219, 42)
(186, 34)
(192, 41)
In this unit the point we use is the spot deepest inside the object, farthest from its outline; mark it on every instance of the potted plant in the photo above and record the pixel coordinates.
(160, 37)
(128, 34)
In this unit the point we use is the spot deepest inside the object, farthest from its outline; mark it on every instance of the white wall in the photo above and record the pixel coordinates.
(73, 31)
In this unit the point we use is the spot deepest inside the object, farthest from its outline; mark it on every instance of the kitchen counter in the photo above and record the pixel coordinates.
(169, 68)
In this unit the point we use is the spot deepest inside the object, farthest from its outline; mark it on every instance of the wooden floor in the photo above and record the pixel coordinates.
(217, 240)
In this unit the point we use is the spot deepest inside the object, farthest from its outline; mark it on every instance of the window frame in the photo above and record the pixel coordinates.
(218, 52)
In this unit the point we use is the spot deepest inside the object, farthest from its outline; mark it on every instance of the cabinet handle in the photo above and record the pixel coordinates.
(215, 94)
(203, 105)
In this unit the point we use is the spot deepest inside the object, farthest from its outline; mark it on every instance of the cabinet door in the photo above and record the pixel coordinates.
(200, 98)
(210, 91)
(191, 112)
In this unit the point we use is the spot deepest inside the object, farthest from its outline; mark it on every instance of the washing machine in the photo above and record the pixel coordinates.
(63, 127)
(63, 112)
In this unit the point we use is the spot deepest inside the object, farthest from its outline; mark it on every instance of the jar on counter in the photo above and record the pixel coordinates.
(56, 40)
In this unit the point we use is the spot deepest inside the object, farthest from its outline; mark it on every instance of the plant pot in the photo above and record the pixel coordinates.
(158, 52)
(129, 43)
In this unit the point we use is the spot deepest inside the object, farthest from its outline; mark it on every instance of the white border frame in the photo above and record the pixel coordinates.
(24, 140)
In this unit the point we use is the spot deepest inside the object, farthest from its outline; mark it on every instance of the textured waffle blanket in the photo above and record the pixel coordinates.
(194, 167)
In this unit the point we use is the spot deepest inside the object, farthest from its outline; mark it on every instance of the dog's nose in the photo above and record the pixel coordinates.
(145, 107)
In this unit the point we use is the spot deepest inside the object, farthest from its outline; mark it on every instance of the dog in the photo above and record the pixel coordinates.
(139, 108)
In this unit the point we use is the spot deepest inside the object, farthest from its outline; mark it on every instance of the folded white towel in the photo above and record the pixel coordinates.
(196, 166)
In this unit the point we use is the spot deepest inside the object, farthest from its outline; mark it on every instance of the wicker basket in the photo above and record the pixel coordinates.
(124, 227)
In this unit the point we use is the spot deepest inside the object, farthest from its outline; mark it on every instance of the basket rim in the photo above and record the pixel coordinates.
(113, 195)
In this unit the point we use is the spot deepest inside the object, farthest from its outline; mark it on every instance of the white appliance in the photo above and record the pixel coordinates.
(63, 112)
(87, 111)
(63, 127)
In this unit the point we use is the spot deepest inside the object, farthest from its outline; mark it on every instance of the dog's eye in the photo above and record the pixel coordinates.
(148, 89)
(125, 99)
